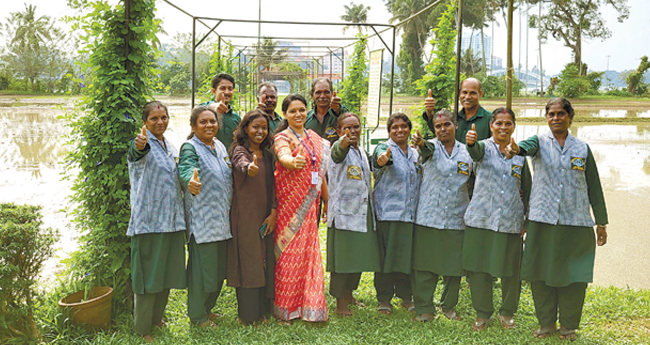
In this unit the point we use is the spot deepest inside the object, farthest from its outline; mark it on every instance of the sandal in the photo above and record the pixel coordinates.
(451, 315)
(408, 305)
(385, 308)
(162, 324)
(479, 324)
(423, 318)
(213, 316)
(209, 324)
(567, 334)
(544, 332)
(507, 322)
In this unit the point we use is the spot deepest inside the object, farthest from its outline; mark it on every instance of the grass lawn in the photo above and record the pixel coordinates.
(611, 316)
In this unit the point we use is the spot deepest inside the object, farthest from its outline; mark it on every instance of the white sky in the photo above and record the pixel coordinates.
(628, 43)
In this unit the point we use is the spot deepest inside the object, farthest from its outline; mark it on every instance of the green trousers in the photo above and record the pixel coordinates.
(341, 283)
(148, 310)
(393, 284)
(568, 300)
(205, 276)
(480, 285)
(424, 285)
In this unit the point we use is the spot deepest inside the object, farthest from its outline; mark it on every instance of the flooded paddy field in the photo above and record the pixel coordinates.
(31, 136)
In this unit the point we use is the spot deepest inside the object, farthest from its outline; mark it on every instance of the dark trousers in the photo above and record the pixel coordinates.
(252, 304)
(424, 285)
(391, 284)
(568, 300)
(148, 310)
(341, 283)
(480, 285)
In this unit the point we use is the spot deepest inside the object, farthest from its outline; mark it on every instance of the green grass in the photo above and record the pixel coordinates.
(611, 316)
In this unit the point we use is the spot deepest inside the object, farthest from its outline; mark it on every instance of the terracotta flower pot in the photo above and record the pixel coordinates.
(93, 313)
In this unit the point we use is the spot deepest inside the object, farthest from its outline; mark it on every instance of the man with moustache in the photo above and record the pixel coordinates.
(472, 113)
(327, 107)
(267, 98)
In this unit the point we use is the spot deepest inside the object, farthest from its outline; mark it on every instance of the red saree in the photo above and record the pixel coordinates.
(299, 267)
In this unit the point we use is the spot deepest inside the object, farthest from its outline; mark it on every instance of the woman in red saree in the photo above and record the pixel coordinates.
(300, 183)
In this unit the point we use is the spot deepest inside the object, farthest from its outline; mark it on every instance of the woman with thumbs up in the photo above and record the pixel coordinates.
(157, 225)
(495, 221)
(397, 185)
(300, 184)
(204, 161)
(251, 263)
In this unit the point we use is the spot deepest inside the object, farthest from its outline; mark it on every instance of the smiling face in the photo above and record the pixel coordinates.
(224, 90)
(445, 129)
(296, 115)
(206, 127)
(257, 130)
(157, 122)
(399, 132)
(352, 124)
(558, 119)
(322, 94)
(271, 99)
(470, 94)
(502, 128)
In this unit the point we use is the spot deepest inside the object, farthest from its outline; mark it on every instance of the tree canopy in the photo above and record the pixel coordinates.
(355, 14)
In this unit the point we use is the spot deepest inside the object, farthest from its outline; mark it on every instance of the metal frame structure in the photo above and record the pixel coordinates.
(391, 48)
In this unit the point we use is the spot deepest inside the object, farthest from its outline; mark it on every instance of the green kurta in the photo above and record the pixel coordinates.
(395, 246)
(437, 251)
(230, 121)
(327, 129)
(558, 254)
(351, 251)
(158, 262)
(495, 253)
(481, 119)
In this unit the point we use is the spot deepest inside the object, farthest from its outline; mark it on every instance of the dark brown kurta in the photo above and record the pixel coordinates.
(251, 262)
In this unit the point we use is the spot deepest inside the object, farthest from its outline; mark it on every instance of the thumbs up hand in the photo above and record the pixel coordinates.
(384, 158)
(195, 183)
(262, 103)
(252, 167)
(512, 149)
(141, 139)
(471, 136)
(299, 161)
(335, 104)
(220, 107)
(346, 140)
(429, 104)
(417, 139)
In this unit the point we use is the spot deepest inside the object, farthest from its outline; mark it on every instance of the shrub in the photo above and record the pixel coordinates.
(24, 246)
(571, 83)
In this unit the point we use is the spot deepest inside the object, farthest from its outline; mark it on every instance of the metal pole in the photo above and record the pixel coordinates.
(331, 65)
(392, 75)
(342, 63)
(193, 59)
(459, 28)
(509, 70)
(541, 70)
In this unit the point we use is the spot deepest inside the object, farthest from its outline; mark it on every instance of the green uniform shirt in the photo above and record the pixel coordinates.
(226, 132)
(274, 123)
(327, 129)
(481, 119)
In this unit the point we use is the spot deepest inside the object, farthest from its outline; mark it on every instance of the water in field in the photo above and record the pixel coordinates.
(33, 148)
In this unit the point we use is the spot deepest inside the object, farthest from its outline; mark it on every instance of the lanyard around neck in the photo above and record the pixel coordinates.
(311, 153)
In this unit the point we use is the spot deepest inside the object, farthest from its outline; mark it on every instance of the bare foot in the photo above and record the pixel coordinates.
(342, 307)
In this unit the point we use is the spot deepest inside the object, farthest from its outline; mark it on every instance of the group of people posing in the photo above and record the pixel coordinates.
(246, 196)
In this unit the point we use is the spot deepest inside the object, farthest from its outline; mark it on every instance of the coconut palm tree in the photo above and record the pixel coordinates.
(355, 14)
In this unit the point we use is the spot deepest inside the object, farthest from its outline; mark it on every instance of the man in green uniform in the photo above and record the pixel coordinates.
(471, 92)
(267, 98)
(223, 87)
(327, 108)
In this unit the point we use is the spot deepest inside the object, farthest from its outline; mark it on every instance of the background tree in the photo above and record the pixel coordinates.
(296, 76)
(268, 52)
(440, 73)
(355, 14)
(575, 21)
(634, 78)
(572, 84)
(470, 64)
(354, 88)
